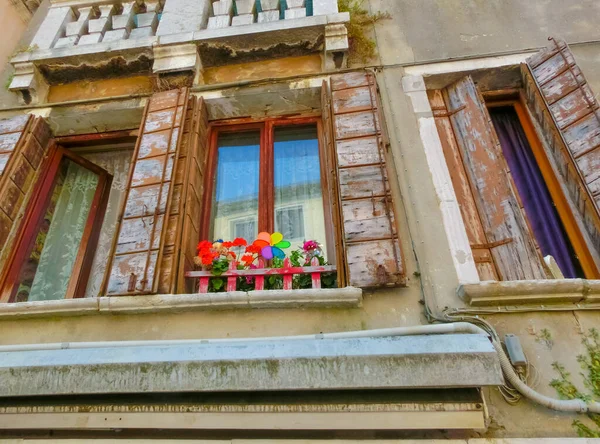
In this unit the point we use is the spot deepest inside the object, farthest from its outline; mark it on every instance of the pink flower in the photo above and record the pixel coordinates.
(309, 246)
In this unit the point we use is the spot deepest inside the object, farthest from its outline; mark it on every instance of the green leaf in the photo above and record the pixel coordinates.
(218, 283)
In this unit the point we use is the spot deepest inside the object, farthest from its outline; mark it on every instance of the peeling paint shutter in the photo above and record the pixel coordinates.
(565, 106)
(512, 245)
(183, 230)
(192, 211)
(370, 238)
(331, 168)
(482, 254)
(24, 141)
(142, 231)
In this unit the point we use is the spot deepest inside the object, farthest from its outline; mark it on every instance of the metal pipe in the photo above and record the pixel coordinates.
(571, 405)
(432, 329)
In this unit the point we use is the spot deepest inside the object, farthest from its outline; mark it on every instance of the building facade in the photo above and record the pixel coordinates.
(159, 160)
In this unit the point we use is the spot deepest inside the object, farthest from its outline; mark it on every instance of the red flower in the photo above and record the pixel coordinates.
(232, 254)
(228, 244)
(239, 242)
(254, 249)
(204, 245)
(206, 259)
(247, 259)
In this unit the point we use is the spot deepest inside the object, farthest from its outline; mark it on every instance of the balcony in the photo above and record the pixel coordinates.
(174, 40)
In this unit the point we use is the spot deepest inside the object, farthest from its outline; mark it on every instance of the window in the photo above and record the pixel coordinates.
(523, 190)
(551, 223)
(55, 252)
(267, 177)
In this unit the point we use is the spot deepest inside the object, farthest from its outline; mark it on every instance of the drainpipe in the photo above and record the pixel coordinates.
(433, 329)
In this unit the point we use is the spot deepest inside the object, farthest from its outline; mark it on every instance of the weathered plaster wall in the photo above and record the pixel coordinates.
(428, 31)
(380, 309)
(12, 26)
(18, 40)
(422, 31)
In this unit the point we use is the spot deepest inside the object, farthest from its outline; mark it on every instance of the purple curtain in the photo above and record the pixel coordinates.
(543, 217)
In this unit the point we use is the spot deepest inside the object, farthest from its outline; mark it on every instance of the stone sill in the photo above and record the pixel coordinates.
(348, 297)
(539, 292)
(287, 29)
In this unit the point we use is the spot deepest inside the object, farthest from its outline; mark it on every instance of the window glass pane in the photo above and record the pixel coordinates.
(235, 196)
(46, 272)
(299, 211)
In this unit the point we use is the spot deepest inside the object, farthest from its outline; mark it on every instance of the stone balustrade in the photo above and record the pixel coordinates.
(170, 36)
(110, 22)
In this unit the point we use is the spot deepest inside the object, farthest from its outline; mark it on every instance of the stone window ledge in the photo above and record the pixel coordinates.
(544, 292)
(348, 297)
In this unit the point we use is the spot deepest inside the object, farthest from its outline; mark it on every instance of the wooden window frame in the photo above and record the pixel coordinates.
(515, 98)
(266, 192)
(35, 212)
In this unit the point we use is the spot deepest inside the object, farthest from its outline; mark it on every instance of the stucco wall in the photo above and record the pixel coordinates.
(11, 26)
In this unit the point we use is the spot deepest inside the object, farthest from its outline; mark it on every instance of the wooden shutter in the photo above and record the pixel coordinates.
(369, 234)
(482, 254)
(142, 233)
(24, 141)
(512, 245)
(192, 212)
(332, 172)
(569, 114)
(183, 231)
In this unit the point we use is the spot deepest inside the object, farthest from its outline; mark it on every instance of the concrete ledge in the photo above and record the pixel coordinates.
(348, 297)
(434, 361)
(546, 292)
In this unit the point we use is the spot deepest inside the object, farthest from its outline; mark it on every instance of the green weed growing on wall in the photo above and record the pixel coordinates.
(590, 364)
(362, 47)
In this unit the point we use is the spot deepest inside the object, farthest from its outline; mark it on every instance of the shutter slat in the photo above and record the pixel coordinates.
(497, 205)
(143, 235)
(573, 130)
(370, 239)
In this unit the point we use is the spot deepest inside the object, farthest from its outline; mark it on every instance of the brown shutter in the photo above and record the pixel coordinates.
(139, 246)
(370, 237)
(566, 108)
(184, 221)
(332, 173)
(482, 254)
(24, 141)
(194, 196)
(513, 248)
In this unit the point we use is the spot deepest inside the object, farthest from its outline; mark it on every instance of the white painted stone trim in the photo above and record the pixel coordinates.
(460, 248)
(430, 69)
(539, 292)
(348, 297)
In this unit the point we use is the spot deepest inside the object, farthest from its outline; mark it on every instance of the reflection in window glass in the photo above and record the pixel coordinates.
(299, 211)
(46, 272)
(235, 193)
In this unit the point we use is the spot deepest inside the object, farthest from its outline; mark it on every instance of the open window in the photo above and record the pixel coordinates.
(57, 246)
(524, 176)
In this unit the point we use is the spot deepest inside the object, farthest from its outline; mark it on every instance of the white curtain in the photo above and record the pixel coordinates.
(116, 163)
(64, 234)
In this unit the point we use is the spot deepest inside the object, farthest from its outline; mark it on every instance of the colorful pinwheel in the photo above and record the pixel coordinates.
(271, 245)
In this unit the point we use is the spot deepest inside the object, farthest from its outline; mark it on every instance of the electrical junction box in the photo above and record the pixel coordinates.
(515, 351)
